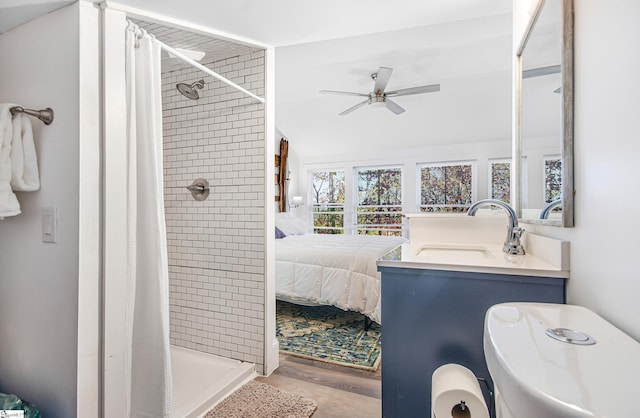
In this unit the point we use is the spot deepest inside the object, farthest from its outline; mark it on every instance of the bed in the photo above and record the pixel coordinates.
(322, 269)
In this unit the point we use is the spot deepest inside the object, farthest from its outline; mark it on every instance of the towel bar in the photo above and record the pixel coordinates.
(45, 115)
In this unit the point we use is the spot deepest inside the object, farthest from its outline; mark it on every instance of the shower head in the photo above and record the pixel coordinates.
(190, 90)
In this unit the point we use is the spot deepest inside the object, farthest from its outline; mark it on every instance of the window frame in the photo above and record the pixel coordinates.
(474, 188)
(490, 163)
(311, 198)
(545, 158)
(356, 226)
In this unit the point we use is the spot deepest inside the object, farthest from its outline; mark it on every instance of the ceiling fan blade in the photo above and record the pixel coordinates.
(393, 106)
(537, 72)
(352, 108)
(344, 93)
(415, 90)
(382, 78)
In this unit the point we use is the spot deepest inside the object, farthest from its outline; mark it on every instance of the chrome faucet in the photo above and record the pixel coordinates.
(512, 244)
(544, 213)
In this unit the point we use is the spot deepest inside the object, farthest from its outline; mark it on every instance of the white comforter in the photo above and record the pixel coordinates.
(337, 270)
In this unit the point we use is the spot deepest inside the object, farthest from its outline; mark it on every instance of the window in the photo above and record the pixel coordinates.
(500, 180)
(379, 204)
(446, 187)
(552, 179)
(328, 202)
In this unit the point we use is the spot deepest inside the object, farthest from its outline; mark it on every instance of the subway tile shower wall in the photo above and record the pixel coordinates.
(216, 247)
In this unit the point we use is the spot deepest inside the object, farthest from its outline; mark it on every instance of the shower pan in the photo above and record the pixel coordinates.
(201, 380)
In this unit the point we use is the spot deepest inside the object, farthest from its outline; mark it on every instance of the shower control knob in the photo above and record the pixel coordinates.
(199, 189)
(196, 188)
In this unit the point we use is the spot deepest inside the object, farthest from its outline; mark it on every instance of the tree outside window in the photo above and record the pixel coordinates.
(500, 180)
(446, 187)
(552, 179)
(379, 208)
(328, 202)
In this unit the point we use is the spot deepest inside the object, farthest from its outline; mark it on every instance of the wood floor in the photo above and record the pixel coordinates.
(339, 391)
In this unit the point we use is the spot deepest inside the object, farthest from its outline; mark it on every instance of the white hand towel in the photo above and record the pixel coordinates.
(9, 205)
(24, 162)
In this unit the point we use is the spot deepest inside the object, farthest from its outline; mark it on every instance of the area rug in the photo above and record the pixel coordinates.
(260, 400)
(329, 334)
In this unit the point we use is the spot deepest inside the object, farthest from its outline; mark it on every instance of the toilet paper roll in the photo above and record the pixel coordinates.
(455, 392)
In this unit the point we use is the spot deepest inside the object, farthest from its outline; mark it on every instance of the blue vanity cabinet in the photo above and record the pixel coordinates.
(434, 317)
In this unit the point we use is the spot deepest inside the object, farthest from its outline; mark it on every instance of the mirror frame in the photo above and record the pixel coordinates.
(568, 191)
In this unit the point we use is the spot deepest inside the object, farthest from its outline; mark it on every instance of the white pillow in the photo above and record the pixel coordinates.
(290, 224)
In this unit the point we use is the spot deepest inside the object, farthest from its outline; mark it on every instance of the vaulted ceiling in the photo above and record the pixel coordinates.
(470, 59)
(464, 45)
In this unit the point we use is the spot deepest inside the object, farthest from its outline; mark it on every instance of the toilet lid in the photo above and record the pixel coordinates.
(586, 380)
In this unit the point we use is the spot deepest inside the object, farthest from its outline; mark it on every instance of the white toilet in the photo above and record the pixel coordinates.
(564, 361)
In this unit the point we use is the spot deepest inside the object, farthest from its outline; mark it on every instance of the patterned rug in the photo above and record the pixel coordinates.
(328, 334)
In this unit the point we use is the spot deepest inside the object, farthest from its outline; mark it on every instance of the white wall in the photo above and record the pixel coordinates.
(468, 58)
(604, 242)
(41, 351)
(114, 241)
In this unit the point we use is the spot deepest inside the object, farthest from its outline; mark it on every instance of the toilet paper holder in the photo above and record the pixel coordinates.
(462, 411)
(452, 384)
(492, 400)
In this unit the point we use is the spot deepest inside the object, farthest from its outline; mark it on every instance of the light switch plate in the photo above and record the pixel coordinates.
(50, 224)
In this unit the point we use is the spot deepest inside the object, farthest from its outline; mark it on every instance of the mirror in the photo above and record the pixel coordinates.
(543, 143)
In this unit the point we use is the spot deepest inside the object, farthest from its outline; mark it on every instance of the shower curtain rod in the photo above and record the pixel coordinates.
(207, 70)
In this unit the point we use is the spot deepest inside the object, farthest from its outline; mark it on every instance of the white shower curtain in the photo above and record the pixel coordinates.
(149, 378)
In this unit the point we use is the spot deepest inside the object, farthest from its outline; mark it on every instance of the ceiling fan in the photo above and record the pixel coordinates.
(378, 97)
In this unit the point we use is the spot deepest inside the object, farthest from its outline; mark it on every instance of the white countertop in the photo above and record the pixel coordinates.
(480, 258)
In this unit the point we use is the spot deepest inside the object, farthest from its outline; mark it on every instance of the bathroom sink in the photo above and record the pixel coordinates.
(536, 375)
(449, 252)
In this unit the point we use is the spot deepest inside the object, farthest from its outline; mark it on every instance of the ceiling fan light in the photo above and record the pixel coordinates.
(377, 106)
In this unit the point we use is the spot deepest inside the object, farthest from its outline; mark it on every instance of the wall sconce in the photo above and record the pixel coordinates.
(296, 201)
